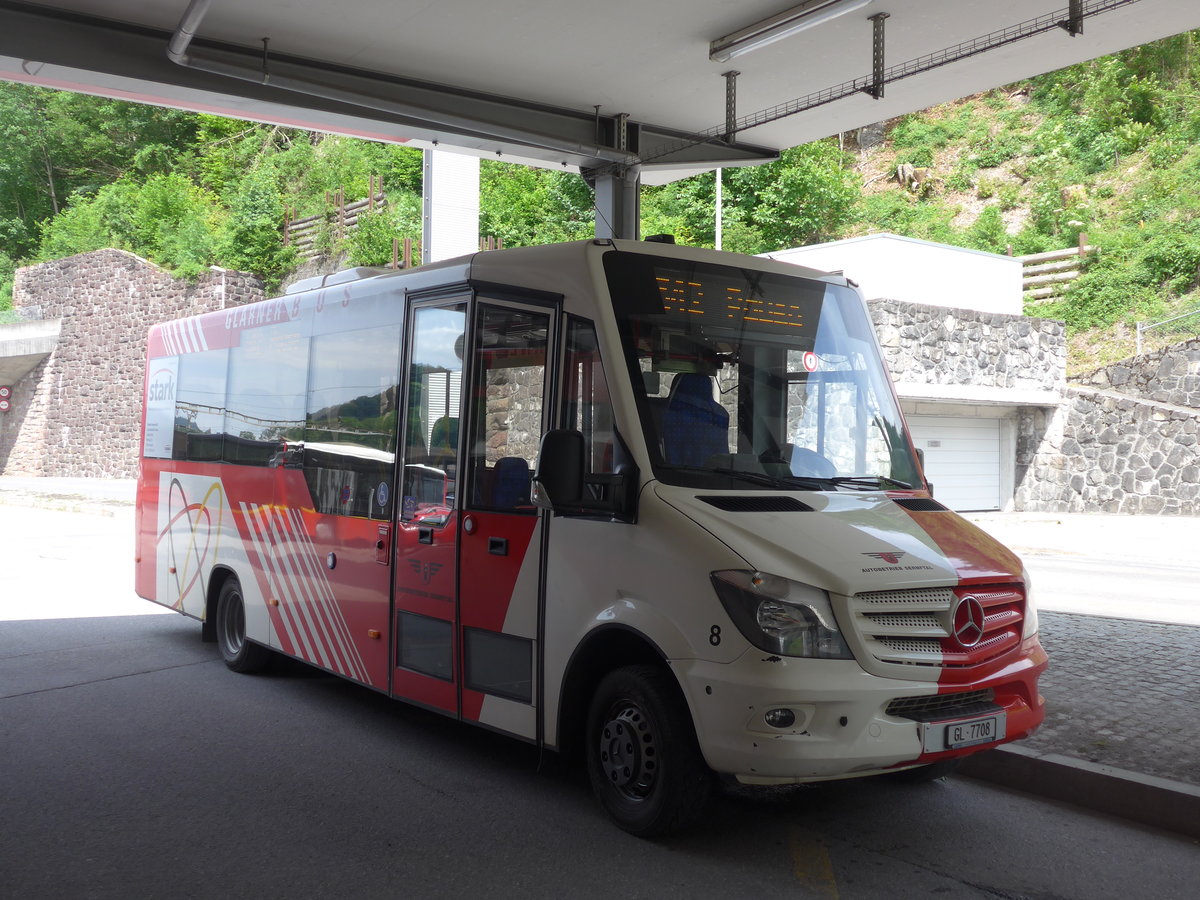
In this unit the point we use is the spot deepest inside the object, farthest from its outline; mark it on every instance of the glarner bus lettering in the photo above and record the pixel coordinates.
(653, 503)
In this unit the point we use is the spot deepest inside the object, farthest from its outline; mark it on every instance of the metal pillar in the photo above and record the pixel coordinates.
(618, 207)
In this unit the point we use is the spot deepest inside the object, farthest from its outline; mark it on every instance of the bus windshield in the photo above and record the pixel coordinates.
(752, 379)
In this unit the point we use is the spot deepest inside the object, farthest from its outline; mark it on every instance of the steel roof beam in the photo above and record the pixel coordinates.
(56, 49)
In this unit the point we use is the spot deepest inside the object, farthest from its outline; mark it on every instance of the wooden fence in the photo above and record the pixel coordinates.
(303, 233)
(1044, 276)
(343, 217)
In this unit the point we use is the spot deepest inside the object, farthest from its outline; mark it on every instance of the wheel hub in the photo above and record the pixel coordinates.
(628, 752)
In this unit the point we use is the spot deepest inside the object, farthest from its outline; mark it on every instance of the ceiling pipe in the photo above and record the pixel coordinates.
(186, 30)
(178, 52)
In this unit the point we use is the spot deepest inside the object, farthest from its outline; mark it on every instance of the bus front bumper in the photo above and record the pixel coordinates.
(840, 727)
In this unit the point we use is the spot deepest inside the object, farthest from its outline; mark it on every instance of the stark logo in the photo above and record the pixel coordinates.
(891, 556)
(425, 569)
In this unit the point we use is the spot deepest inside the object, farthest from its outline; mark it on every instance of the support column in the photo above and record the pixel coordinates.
(451, 205)
(618, 207)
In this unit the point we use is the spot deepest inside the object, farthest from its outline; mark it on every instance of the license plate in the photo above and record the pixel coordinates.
(963, 733)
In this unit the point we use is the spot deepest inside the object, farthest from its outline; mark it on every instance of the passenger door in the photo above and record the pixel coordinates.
(501, 531)
(425, 613)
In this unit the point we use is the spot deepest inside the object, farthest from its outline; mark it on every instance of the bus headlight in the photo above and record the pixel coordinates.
(1031, 613)
(781, 616)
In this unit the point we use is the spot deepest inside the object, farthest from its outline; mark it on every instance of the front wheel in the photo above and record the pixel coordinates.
(643, 761)
(239, 654)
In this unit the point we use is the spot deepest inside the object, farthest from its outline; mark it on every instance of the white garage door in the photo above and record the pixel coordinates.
(962, 459)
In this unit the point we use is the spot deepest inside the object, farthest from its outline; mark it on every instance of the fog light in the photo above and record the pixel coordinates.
(780, 718)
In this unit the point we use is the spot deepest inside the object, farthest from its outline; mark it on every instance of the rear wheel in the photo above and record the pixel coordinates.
(239, 654)
(643, 761)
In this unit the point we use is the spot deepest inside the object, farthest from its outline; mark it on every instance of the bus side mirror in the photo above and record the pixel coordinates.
(558, 479)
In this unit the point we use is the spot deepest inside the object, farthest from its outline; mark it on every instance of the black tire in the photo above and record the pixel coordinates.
(643, 760)
(926, 774)
(240, 654)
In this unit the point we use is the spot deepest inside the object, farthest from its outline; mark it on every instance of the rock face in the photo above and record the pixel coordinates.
(79, 412)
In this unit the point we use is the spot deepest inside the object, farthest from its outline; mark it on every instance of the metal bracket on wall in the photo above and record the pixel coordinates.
(730, 104)
(878, 77)
(1074, 24)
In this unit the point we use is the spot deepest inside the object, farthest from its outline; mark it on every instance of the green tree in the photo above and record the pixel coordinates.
(525, 206)
(55, 145)
(253, 238)
(807, 196)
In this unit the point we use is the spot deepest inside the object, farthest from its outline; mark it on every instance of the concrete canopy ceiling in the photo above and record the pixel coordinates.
(523, 78)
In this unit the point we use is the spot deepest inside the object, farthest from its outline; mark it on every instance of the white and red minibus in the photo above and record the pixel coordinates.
(653, 503)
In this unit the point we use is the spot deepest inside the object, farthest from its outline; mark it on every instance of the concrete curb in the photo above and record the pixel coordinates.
(1170, 805)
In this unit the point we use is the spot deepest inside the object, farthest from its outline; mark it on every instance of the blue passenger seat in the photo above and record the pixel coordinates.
(510, 483)
(695, 426)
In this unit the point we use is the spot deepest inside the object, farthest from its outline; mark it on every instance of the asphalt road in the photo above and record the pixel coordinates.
(133, 764)
(1100, 586)
(1128, 567)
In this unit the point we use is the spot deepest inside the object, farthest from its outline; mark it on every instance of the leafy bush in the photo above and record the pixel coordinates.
(253, 239)
(370, 243)
(807, 196)
(7, 268)
(166, 219)
(987, 233)
(900, 213)
(920, 131)
(997, 151)
(921, 157)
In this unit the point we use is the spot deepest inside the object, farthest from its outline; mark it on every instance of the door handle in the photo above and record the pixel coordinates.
(498, 546)
(425, 535)
(383, 545)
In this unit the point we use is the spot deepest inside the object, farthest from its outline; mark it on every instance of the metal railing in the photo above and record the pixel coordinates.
(1142, 327)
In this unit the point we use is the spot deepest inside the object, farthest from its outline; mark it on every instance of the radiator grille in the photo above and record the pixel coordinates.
(941, 706)
(957, 627)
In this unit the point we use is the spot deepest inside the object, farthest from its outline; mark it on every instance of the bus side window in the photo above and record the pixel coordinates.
(350, 423)
(509, 398)
(433, 413)
(268, 372)
(199, 420)
(588, 406)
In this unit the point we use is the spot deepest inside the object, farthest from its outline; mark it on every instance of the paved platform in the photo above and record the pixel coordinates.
(1121, 732)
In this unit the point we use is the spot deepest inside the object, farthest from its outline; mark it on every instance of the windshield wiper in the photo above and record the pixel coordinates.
(870, 482)
(797, 481)
(775, 481)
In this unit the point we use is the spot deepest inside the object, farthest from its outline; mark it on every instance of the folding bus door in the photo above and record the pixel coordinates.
(500, 534)
(425, 612)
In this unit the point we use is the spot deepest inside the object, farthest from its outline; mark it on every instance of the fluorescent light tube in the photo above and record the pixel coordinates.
(780, 26)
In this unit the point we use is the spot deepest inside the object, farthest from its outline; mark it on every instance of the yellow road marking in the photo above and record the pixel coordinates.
(811, 863)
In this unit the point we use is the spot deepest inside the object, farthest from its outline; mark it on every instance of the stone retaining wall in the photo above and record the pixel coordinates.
(935, 345)
(1102, 451)
(1125, 440)
(79, 412)
(1170, 375)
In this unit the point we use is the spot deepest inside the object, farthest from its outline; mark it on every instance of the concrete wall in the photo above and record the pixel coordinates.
(78, 413)
(887, 265)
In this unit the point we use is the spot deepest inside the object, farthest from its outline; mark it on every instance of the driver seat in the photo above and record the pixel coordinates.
(694, 425)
